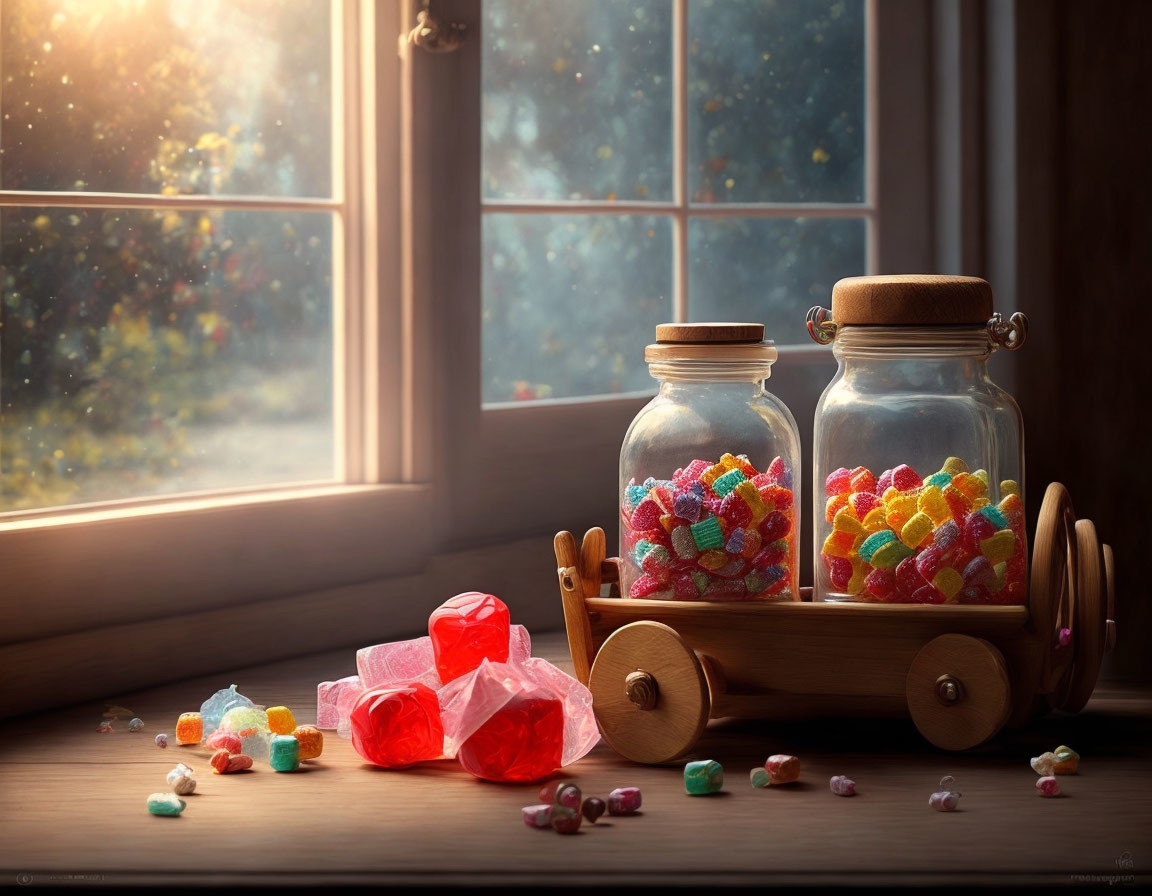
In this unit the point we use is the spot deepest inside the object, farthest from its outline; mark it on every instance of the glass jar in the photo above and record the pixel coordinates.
(918, 457)
(707, 471)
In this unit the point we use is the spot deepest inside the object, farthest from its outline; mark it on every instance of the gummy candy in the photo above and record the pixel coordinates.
(841, 785)
(1048, 786)
(703, 777)
(593, 808)
(709, 523)
(281, 720)
(467, 629)
(939, 539)
(224, 740)
(165, 804)
(311, 740)
(539, 816)
(189, 728)
(284, 753)
(225, 764)
(759, 777)
(624, 801)
(522, 741)
(782, 768)
(397, 727)
(214, 708)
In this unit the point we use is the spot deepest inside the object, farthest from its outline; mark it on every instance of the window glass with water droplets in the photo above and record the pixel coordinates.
(148, 351)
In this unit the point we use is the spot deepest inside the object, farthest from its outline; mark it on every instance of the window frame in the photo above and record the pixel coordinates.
(77, 567)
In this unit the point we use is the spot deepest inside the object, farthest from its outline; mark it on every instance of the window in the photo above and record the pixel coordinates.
(649, 160)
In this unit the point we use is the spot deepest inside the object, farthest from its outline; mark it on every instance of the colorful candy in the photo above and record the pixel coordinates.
(284, 753)
(167, 804)
(593, 808)
(703, 777)
(189, 728)
(398, 727)
(1048, 786)
(842, 785)
(1067, 761)
(162, 741)
(565, 820)
(539, 817)
(782, 768)
(759, 777)
(624, 801)
(224, 763)
(714, 531)
(281, 720)
(136, 725)
(311, 740)
(944, 801)
(467, 629)
(224, 740)
(181, 780)
(902, 539)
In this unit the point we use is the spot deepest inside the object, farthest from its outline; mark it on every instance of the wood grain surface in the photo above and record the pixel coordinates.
(72, 805)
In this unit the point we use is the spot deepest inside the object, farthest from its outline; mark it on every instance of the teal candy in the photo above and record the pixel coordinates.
(634, 495)
(994, 516)
(939, 480)
(165, 804)
(704, 776)
(724, 484)
(641, 550)
(284, 753)
(708, 533)
(874, 542)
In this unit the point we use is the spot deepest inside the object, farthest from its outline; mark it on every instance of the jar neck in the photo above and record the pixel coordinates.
(960, 343)
(683, 372)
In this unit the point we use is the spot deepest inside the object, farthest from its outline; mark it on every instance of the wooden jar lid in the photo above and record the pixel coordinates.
(911, 300)
(710, 342)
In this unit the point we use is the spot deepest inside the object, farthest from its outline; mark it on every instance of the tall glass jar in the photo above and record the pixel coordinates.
(918, 456)
(707, 471)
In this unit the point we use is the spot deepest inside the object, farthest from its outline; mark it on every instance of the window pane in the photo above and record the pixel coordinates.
(770, 269)
(776, 100)
(149, 352)
(177, 96)
(570, 301)
(577, 99)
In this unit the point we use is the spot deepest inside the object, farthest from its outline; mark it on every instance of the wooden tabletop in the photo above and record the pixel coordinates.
(72, 806)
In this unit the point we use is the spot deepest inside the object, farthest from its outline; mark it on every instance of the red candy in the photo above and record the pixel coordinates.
(395, 727)
(839, 482)
(908, 578)
(906, 479)
(884, 482)
(862, 480)
(646, 515)
(863, 503)
(775, 526)
(880, 583)
(777, 475)
(524, 741)
(467, 629)
(976, 528)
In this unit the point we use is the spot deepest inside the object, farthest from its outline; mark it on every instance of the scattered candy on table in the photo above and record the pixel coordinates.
(284, 753)
(136, 725)
(782, 769)
(311, 740)
(759, 776)
(1044, 765)
(842, 785)
(162, 741)
(561, 793)
(281, 720)
(714, 531)
(1067, 761)
(903, 539)
(565, 820)
(167, 804)
(224, 740)
(224, 763)
(104, 727)
(181, 780)
(189, 728)
(624, 801)
(944, 801)
(1048, 786)
(397, 727)
(539, 817)
(703, 777)
(593, 808)
(250, 723)
(213, 710)
(947, 782)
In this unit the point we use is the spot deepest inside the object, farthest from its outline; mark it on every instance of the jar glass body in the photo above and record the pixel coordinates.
(706, 477)
(918, 470)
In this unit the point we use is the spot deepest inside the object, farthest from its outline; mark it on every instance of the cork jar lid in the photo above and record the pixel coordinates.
(911, 300)
(710, 341)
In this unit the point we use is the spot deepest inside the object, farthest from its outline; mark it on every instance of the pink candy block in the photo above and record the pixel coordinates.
(519, 645)
(344, 707)
(328, 699)
(400, 662)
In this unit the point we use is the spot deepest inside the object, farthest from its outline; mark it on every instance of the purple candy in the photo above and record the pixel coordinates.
(686, 505)
(624, 801)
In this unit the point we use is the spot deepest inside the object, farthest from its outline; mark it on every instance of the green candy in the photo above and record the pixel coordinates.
(708, 534)
(284, 753)
(874, 542)
(724, 484)
(939, 480)
(889, 554)
(165, 804)
(704, 776)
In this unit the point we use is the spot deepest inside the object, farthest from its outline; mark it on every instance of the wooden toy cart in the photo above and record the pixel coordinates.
(659, 670)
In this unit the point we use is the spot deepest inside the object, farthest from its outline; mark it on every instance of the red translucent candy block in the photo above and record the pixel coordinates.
(780, 497)
(684, 587)
(656, 563)
(908, 578)
(980, 572)
(884, 482)
(645, 585)
(947, 538)
(691, 473)
(862, 480)
(771, 554)
(906, 479)
(735, 510)
(523, 741)
(977, 527)
(775, 526)
(839, 571)
(929, 561)
(467, 629)
(863, 503)
(838, 482)
(398, 727)
(928, 594)
(881, 582)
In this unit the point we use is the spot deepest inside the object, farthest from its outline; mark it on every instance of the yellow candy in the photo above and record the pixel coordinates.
(1011, 505)
(1067, 761)
(668, 521)
(860, 571)
(948, 582)
(954, 465)
(731, 462)
(713, 473)
(1009, 487)
(281, 720)
(971, 485)
(846, 522)
(1001, 570)
(749, 494)
(875, 520)
(958, 502)
(888, 555)
(891, 494)
(839, 544)
(999, 547)
(833, 506)
(931, 502)
(712, 559)
(980, 502)
(918, 528)
(901, 510)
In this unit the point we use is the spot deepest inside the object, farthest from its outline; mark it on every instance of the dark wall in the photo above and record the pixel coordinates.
(1085, 138)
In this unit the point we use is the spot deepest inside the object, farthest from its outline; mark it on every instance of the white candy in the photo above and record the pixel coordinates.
(1043, 764)
(180, 779)
(944, 801)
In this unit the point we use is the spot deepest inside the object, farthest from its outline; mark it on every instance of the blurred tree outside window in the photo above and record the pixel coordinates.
(579, 102)
(155, 350)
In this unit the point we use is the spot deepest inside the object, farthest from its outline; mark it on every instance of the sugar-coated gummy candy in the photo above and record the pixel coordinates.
(467, 629)
(703, 776)
(165, 804)
(1067, 761)
(224, 740)
(284, 753)
(189, 728)
(539, 816)
(1048, 786)
(311, 740)
(624, 801)
(759, 777)
(782, 768)
(708, 534)
(944, 801)
(162, 741)
(905, 478)
(593, 808)
(224, 763)
(182, 780)
(397, 727)
(281, 720)
(842, 785)
(838, 482)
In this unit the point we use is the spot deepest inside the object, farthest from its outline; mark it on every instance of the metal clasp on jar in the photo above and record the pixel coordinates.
(1010, 334)
(821, 327)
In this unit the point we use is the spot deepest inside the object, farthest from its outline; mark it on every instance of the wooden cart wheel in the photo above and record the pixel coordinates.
(958, 691)
(649, 693)
(1088, 619)
(1053, 572)
(1110, 580)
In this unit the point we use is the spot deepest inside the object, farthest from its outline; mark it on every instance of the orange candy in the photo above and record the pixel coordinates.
(189, 728)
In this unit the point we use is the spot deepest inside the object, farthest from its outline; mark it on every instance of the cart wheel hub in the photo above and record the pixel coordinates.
(641, 689)
(949, 690)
